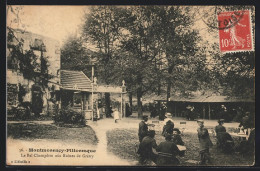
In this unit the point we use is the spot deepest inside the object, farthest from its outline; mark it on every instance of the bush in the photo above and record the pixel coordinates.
(69, 116)
(21, 112)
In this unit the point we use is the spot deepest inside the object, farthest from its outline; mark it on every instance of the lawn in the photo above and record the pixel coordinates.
(123, 143)
(30, 131)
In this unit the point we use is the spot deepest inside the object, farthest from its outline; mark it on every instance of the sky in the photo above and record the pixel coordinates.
(58, 22)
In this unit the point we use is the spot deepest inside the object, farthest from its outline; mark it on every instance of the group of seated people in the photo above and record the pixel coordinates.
(165, 153)
(226, 143)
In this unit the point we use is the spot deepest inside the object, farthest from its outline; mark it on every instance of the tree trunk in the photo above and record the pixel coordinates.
(139, 102)
(139, 96)
(169, 84)
(107, 105)
(131, 102)
(159, 86)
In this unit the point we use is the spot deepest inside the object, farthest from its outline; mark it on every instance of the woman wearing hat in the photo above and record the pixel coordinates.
(220, 127)
(176, 138)
(224, 139)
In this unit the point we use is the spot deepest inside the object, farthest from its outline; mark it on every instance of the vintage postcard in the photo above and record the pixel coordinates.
(130, 85)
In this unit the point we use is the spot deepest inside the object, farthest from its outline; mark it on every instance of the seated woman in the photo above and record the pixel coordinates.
(168, 128)
(224, 139)
(176, 138)
(220, 127)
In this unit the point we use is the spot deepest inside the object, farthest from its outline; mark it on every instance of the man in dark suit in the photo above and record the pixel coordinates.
(205, 143)
(143, 128)
(146, 147)
(167, 152)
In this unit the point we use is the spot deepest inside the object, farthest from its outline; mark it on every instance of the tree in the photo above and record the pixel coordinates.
(234, 72)
(101, 29)
(139, 47)
(75, 56)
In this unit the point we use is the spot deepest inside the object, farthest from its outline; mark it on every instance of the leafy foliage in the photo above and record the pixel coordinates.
(74, 56)
(69, 116)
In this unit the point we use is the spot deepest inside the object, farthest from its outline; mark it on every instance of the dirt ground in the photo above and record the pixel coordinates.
(115, 143)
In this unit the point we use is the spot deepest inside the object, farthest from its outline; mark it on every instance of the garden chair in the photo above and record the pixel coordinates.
(182, 126)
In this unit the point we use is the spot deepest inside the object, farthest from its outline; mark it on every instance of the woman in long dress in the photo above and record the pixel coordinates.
(116, 115)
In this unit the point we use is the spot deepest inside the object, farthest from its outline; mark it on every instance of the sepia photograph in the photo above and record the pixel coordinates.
(125, 85)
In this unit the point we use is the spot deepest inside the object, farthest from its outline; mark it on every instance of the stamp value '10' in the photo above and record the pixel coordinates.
(235, 31)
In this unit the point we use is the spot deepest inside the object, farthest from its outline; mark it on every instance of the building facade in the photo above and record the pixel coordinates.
(43, 48)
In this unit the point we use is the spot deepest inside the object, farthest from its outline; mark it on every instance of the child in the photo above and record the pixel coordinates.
(116, 115)
(205, 143)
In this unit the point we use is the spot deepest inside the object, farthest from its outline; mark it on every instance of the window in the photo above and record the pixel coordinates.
(77, 99)
(12, 94)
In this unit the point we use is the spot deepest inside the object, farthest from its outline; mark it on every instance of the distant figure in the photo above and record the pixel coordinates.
(143, 128)
(116, 115)
(153, 111)
(224, 139)
(190, 113)
(167, 152)
(163, 109)
(128, 110)
(224, 114)
(110, 112)
(205, 143)
(146, 148)
(176, 138)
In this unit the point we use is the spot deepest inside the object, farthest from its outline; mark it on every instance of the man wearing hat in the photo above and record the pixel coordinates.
(143, 128)
(205, 143)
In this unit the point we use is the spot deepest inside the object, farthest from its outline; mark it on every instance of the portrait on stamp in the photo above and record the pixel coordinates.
(235, 31)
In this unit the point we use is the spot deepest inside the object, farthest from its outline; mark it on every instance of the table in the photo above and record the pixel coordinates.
(238, 135)
(241, 136)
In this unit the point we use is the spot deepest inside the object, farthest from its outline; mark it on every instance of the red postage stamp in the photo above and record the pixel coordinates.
(235, 31)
